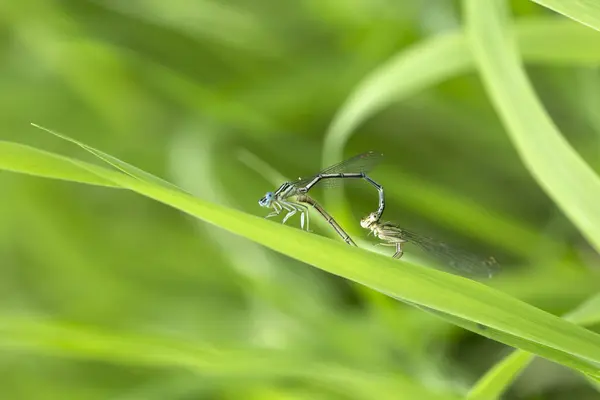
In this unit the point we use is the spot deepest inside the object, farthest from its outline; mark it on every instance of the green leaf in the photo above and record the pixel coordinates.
(467, 302)
(557, 167)
(499, 378)
(585, 11)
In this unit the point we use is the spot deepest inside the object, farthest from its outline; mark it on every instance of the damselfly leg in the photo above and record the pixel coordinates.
(277, 210)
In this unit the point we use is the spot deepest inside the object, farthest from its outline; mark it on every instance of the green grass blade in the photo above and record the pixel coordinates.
(585, 11)
(559, 170)
(113, 161)
(28, 160)
(498, 379)
(545, 334)
(514, 341)
(501, 376)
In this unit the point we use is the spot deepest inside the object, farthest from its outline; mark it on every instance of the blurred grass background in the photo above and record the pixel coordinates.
(186, 90)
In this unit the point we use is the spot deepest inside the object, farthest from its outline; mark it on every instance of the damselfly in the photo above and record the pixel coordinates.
(459, 261)
(289, 195)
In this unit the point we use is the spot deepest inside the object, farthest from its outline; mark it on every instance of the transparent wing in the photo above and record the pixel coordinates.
(360, 163)
(451, 258)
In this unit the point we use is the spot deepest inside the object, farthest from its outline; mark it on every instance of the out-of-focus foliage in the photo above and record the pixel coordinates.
(585, 11)
(186, 90)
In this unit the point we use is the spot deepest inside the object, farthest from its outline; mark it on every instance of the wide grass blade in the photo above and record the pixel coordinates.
(557, 167)
(462, 299)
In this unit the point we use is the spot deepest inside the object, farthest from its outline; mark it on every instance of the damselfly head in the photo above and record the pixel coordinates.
(267, 200)
(369, 220)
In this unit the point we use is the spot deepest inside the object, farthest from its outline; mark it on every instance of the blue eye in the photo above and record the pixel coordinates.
(266, 201)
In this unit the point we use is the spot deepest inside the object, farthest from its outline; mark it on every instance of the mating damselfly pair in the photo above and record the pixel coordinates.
(293, 198)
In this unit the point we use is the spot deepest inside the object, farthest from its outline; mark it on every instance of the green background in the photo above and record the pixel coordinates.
(114, 294)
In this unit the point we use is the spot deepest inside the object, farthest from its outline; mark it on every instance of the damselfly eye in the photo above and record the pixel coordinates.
(266, 201)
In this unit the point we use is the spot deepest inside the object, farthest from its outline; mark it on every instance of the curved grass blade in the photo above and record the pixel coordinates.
(556, 166)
